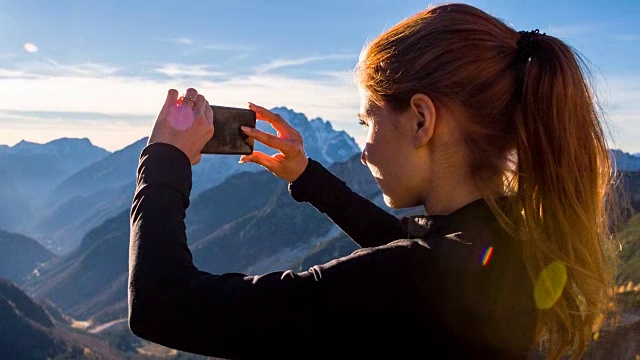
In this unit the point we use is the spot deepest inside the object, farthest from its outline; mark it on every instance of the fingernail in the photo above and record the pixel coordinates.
(245, 128)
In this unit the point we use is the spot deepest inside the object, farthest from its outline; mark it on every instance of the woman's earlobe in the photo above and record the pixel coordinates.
(425, 119)
(423, 133)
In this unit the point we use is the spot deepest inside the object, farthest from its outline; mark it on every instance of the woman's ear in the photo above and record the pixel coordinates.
(423, 112)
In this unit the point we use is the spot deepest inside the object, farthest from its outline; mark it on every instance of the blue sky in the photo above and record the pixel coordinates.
(100, 69)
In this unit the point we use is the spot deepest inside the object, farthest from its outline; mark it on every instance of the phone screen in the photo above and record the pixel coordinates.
(228, 138)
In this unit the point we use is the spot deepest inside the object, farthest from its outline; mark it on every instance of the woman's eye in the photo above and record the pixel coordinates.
(363, 123)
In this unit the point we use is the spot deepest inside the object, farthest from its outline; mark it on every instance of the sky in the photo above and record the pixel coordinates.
(101, 69)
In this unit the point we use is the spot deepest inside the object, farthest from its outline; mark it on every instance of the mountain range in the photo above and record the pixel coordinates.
(57, 192)
(29, 171)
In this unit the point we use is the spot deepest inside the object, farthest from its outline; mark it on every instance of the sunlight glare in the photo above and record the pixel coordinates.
(30, 48)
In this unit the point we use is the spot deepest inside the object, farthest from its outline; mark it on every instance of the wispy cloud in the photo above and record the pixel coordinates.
(188, 70)
(83, 69)
(627, 37)
(225, 47)
(570, 30)
(182, 40)
(208, 45)
(71, 116)
(46, 67)
(12, 73)
(282, 63)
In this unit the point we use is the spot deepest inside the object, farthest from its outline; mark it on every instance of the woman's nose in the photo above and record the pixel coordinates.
(363, 157)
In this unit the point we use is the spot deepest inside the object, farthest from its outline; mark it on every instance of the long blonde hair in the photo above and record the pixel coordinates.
(534, 131)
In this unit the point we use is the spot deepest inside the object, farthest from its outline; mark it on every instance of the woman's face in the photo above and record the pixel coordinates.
(387, 153)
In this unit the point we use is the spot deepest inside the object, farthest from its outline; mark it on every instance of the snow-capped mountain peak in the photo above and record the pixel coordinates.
(321, 141)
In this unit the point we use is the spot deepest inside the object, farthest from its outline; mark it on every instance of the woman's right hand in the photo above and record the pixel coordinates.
(186, 123)
(291, 161)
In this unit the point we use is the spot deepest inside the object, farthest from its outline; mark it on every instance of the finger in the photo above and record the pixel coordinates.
(200, 102)
(197, 159)
(260, 158)
(271, 141)
(208, 112)
(190, 97)
(172, 97)
(275, 120)
(171, 100)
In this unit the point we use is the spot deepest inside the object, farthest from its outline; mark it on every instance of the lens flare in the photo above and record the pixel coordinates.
(550, 285)
(487, 255)
(180, 117)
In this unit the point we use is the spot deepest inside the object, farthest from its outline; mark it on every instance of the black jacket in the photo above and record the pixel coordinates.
(451, 286)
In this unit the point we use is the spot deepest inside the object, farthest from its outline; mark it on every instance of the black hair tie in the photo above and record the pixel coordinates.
(526, 43)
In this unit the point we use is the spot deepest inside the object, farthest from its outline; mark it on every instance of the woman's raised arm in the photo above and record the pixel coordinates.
(352, 306)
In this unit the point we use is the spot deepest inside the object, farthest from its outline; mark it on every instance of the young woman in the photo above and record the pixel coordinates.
(494, 131)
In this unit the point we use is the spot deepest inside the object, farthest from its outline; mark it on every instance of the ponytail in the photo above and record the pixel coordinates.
(564, 175)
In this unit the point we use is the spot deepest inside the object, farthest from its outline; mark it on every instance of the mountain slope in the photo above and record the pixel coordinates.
(630, 181)
(87, 198)
(62, 229)
(28, 332)
(94, 276)
(20, 256)
(630, 254)
(625, 161)
(114, 170)
(15, 208)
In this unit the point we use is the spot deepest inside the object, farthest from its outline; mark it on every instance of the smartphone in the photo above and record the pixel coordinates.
(228, 138)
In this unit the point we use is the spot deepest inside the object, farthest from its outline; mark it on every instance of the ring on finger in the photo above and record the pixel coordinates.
(188, 97)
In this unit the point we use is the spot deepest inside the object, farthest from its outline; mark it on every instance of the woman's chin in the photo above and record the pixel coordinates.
(395, 203)
(391, 202)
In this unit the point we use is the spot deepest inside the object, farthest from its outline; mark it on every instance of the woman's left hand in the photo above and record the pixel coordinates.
(186, 123)
(291, 161)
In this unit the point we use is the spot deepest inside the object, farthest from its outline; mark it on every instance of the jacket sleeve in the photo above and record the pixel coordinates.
(365, 222)
(234, 315)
